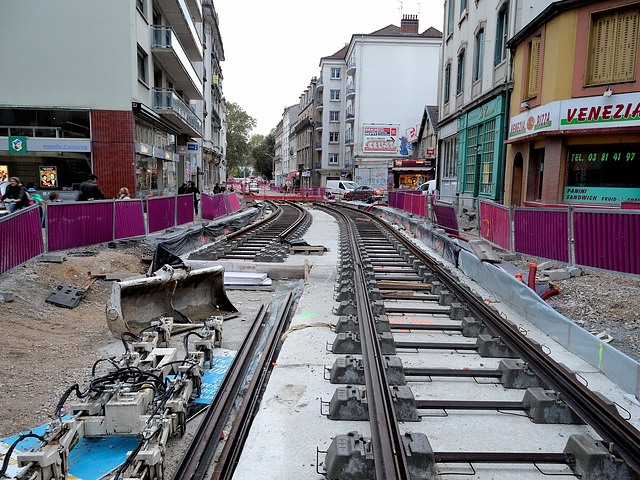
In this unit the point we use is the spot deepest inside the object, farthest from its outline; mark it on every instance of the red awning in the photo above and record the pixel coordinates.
(290, 175)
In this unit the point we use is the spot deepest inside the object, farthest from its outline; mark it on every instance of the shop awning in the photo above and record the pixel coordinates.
(290, 175)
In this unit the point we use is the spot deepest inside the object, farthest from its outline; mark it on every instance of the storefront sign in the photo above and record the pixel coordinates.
(144, 149)
(4, 173)
(431, 151)
(485, 112)
(18, 145)
(600, 195)
(601, 112)
(414, 162)
(539, 119)
(59, 145)
(578, 114)
(380, 138)
(48, 177)
(192, 147)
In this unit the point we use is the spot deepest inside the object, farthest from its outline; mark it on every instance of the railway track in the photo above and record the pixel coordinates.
(419, 358)
(265, 241)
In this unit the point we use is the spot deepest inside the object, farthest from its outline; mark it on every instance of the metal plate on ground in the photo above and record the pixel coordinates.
(66, 296)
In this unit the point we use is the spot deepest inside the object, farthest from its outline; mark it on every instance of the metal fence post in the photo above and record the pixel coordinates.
(570, 234)
(512, 210)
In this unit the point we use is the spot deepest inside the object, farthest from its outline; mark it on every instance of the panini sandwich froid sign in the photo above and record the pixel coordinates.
(380, 138)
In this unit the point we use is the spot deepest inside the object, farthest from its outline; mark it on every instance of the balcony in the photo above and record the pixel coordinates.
(318, 125)
(351, 90)
(217, 121)
(319, 105)
(320, 84)
(350, 114)
(179, 17)
(348, 163)
(166, 47)
(167, 103)
(351, 66)
(348, 139)
(318, 145)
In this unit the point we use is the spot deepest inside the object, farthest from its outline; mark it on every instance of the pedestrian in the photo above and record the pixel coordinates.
(216, 188)
(53, 198)
(123, 194)
(16, 192)
(191, 188)
(182, 189)
(89, 190)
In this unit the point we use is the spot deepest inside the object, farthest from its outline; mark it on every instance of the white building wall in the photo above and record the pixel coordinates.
(395, 78)
(34, 40)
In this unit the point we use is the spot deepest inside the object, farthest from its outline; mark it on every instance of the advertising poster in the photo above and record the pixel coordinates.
(48, 177)
(4, 173)
(380, 138)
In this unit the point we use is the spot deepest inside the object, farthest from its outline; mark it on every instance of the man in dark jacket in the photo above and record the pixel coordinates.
(90, 190)
(191, 188)
(16, 192)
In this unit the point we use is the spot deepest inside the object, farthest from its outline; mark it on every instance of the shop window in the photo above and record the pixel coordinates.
(533, 67)
(472, 154)
(540, 174)
(613, 45)
(487, 182)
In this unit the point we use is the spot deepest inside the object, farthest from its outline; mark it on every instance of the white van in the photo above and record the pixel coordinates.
(338, 188)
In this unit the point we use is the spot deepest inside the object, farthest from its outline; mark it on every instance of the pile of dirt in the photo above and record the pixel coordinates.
(46, 348)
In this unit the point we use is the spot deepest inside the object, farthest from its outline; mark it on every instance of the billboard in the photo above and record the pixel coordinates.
(380, 139)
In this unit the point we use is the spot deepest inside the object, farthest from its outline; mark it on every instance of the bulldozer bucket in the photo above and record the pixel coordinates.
(186, 295)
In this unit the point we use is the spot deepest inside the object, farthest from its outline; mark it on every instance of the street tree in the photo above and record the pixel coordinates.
(262, 153)
(239, 126)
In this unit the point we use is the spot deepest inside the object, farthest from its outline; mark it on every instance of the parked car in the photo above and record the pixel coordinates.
(339, 188)
(365, 193)
(428, 187)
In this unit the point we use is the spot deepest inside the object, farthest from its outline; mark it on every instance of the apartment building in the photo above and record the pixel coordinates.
(118, 88)
(474, 93)
(288, 160)
(277, 157)
(575, 109)
(370, 95)
(303, 130)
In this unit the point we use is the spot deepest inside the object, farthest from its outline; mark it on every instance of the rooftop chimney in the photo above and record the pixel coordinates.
(409, 24)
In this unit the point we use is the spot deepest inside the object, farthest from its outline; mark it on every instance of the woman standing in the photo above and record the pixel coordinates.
(191, 188)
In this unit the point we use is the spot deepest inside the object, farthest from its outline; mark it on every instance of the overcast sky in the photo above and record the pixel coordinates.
(273, 48)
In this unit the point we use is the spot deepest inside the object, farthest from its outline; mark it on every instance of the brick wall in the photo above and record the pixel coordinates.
(112, 132)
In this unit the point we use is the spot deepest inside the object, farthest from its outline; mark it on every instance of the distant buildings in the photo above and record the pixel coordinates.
(129, 90)
(367, 106)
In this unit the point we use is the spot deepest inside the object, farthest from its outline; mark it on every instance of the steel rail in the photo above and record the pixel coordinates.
(200, 452)
(390, 460)
(623, 437)
(230, 455)
(249, 228)
(290, 231)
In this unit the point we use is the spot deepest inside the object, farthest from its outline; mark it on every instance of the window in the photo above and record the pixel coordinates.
(335, 94)
(142, 66)
(140, 5)
(533, 67)
(477, 61)
(502, 35)
(613, 45)
(450, 18)
(334, 137)
(450, 155)
(447, 83)
(334, 116)
(463, 6)
(487, 183)
(472, 154)
(460, 78)
(333, 158)
(335, 73)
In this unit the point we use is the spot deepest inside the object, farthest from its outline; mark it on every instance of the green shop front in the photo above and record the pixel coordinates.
(480, 135)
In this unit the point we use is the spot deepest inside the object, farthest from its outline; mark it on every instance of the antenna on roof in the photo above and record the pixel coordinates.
(400, 7)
